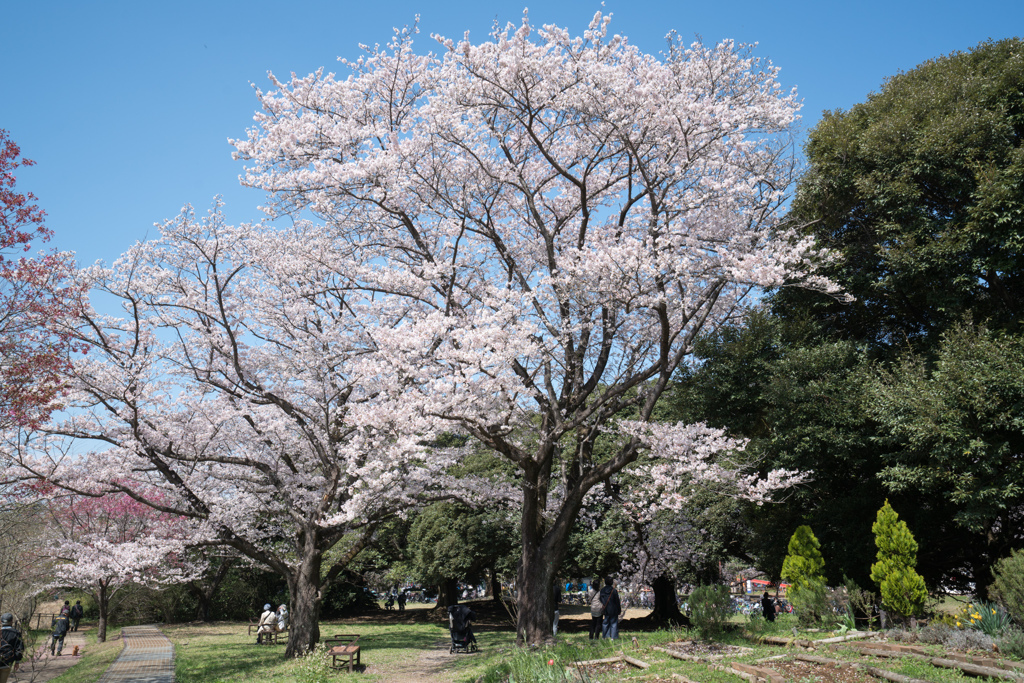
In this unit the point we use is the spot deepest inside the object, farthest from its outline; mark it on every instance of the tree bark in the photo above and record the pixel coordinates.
(495, 585)
(666, 603)
(448, 593)
(304, 623)
(103, 602)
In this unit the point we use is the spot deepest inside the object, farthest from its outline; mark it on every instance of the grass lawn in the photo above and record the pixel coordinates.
(226, 653)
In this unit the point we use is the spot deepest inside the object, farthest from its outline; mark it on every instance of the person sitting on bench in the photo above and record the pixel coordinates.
(268, 624)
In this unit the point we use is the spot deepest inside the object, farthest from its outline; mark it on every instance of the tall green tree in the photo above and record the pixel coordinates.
(903, 590)
(921, 188)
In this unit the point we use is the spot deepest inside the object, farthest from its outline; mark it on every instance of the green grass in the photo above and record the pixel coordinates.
(225, 653)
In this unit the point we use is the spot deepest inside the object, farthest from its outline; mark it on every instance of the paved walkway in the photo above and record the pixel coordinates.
(147, 657)
(44, 666)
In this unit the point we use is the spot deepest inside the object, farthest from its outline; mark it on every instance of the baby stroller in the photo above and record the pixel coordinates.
(460, 625)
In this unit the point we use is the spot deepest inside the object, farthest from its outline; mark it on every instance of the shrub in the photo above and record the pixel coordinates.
(1008, 585)
(315, 666)
(935, 633)
(710, 608)
(903, 589)
(1012, 643)
(804, 562)
(810, 601)
(968, 639)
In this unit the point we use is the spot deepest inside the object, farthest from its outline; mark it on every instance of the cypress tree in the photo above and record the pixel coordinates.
(903, 589)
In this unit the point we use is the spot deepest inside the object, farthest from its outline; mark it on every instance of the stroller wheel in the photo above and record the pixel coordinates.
(451, 649)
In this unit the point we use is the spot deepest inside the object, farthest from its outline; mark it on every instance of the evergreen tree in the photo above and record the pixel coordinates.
(804, 564)
(903, 589)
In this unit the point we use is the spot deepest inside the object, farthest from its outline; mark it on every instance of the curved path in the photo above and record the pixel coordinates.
(147, 657)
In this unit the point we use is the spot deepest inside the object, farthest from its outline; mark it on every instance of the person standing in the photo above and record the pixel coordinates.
(767, 607)
(76, 614)
(11, 646)
(61, 624)
(401, 601)
(596, 612)
(612, 609)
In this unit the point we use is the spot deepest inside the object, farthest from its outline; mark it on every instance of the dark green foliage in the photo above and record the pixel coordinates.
(903, 590)
(450, 541)
(954, 428)
(921, 188)
(1008, 585)
(710, 608)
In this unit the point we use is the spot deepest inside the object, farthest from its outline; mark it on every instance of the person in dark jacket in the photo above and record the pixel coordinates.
(61, 624)
(11, 646)
(612, 609)
(767, 607)
(76, 614)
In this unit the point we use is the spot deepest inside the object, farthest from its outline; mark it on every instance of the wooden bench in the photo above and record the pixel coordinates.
(343, 650)
(268, 638)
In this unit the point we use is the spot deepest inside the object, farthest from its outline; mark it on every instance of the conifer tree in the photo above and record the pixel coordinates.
(804, 563)
(903, 589)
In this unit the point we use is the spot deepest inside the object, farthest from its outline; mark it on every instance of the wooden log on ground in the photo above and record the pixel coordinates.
(967, 668)
(609, 660)
(852, 635)
(678, 655)
(770, 675)
(636, 662)
(874, 671)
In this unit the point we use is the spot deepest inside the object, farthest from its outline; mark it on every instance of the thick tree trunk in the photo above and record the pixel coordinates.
(103, 602)
(495, 585)
(304, 620)
(666, 604)
(448, 593)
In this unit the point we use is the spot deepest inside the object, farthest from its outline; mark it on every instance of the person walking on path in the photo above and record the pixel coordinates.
(612, 609)
(12, 647)
(61, 624)
(76, 614)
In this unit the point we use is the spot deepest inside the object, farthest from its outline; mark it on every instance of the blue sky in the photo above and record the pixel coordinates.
(127, 106)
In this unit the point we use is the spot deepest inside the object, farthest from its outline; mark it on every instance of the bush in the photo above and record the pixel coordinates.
(1012, 643)
(710, 608)
(810, 601)
(1008, 585)
(968, 639)
(804, 563)
(935, 633)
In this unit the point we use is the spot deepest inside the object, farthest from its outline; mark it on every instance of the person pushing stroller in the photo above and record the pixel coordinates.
(460, 625)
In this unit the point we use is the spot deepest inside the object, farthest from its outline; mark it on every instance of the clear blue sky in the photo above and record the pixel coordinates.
(127, 106)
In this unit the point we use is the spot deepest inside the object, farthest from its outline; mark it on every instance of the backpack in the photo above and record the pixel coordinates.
(596, 604)
(8, 653)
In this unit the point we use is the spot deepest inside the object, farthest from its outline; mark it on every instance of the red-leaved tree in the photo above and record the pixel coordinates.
(35, 295)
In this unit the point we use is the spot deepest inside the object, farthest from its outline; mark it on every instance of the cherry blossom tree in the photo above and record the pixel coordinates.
(35, 295)
(562, 216)
(239, 391)
(105, 543)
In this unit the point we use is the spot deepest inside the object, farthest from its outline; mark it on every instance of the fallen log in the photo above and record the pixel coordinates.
(770, 675)
(678, 655)
(608, 660)
(942, 663)
(874, 671)
(636, 662)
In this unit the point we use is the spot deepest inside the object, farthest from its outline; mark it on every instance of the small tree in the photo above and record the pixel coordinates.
(903, 589)
(804, 562)
(1008, 585)
(803, 569)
